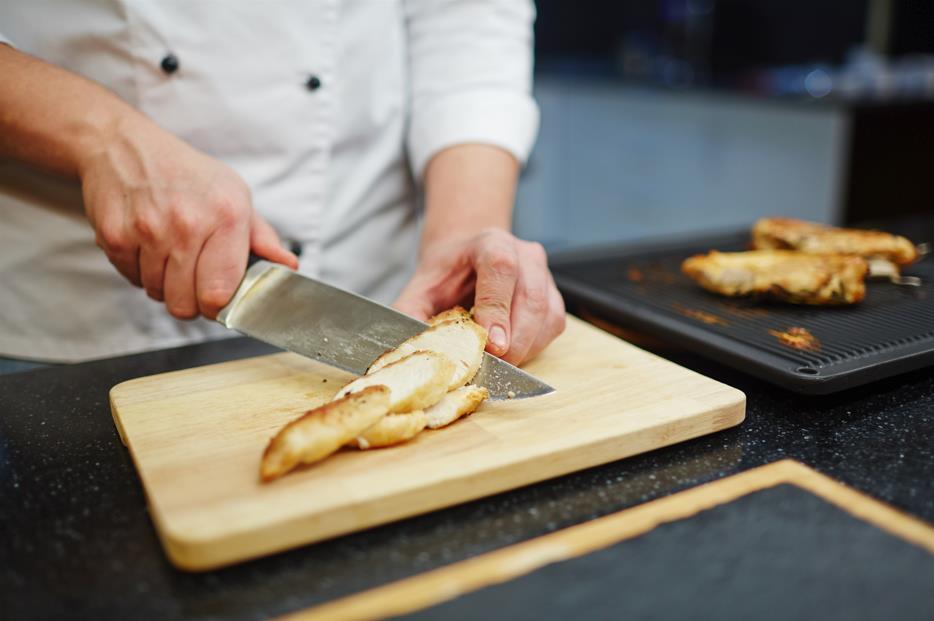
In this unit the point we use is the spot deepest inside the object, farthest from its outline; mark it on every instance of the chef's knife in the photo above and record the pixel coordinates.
(284, 308)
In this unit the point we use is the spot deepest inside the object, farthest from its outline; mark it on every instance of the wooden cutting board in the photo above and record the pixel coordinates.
(197, 435)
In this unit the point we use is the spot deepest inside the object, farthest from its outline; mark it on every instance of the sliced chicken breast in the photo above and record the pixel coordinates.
(455, 404)
(461, 341)
(392, 429)
(415, 381)
(323, 430)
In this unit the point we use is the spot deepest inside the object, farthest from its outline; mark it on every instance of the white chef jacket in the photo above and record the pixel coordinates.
(330, 167)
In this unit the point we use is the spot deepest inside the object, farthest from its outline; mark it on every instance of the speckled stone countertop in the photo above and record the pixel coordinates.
(77, 541)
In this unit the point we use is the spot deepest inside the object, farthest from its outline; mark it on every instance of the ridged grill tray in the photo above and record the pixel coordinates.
(890, 332)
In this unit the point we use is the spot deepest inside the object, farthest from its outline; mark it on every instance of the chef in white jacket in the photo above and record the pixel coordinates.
(172, 138)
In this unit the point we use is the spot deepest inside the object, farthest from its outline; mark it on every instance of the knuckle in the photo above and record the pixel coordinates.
(185, 223)
(537, 251)
(560, 323)
(181, 221)
(490, 299)
(182, 311)
(562, 326)
(238, 187)
(491, 304)
(227, 211)
(112, 239)
(501, 262)
(215, 299)
(557, 319)
(536, 300)
(146, 227)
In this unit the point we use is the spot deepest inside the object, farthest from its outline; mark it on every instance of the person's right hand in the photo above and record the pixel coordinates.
(173, 220)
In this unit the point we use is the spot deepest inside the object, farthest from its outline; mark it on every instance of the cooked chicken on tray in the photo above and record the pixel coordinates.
(783, 275)
(805, 263)
(814, 238)
(421, 383)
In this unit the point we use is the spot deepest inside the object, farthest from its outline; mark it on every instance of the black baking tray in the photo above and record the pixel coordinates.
(890, 332)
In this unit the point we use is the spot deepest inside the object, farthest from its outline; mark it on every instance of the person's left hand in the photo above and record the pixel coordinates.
(514, 294)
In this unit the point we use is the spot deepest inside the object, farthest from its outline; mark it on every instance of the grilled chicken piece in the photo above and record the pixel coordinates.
(460, 340)
(451, 314)
(417, 381)
(784, 275)
(387, 405)
(814, 238)
(392, 429)
(322, 431)
(456, 404)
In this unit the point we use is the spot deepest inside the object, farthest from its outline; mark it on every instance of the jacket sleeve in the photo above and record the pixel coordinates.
(470, 76)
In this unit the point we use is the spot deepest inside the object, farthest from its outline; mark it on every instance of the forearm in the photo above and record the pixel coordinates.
(468, 188)
(52, 118)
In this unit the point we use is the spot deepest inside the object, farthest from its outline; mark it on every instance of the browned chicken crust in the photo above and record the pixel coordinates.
(323, 430)
(456, 404)
(451, 314)
(783, 275)
(814, 238)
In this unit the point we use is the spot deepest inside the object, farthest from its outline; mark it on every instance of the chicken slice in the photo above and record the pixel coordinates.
(392, 429)
(451, 314)
(784, 275)
(461, 341)
(322, 431)
(814, 238)
(455, 404)
(416, 381)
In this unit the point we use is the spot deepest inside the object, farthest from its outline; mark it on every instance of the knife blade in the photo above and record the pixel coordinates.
(300, 314)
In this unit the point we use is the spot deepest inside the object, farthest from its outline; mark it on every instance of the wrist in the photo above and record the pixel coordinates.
(469, 188)
(99, 134)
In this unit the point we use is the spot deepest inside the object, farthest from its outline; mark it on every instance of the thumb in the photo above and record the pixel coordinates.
(265, 242)
(497, 274)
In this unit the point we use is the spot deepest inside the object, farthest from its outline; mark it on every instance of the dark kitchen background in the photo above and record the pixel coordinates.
(662, 117)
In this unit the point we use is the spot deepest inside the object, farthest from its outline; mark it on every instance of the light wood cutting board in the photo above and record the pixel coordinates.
(197, 435)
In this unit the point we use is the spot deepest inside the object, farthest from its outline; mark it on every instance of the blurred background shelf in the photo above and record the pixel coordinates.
(661, 117)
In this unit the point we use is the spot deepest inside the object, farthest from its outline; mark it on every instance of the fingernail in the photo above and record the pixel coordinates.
(498, 338)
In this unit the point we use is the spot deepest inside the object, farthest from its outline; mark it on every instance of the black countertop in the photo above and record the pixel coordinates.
(77, 540)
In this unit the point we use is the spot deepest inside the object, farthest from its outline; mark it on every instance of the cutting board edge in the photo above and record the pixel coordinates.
(205, 554)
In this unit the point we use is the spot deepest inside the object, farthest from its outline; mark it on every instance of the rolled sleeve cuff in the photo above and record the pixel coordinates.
(505, 120)
(3, 40)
